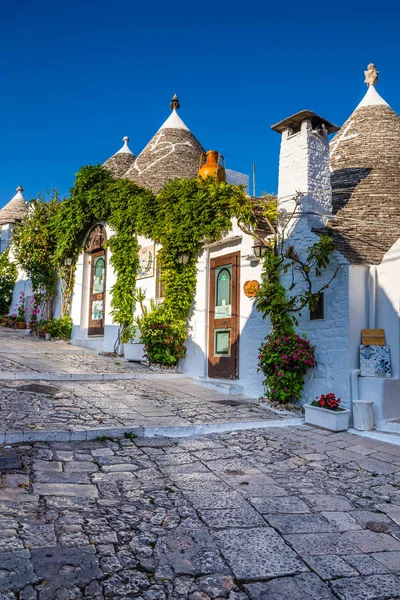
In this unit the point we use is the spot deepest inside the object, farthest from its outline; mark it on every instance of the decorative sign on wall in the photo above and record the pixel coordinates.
(146, 262)
(375, 361)
(250, 288)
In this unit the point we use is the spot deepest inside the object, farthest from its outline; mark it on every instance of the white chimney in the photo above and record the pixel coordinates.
(304, 166)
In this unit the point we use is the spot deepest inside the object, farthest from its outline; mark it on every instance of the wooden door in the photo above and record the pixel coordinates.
(223, 346)
(97, 293)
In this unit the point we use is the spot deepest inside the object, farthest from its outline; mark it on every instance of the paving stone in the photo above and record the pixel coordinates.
(370, 587)
(64, 455)
(9, 541)
(365, 564)
(300, 524)
(126, 584)
(102, 452)
(28, 593)
(228, 499)
(232, 517)
(328, 502)
(189, 552)
(17, 495)
(216, 586)
(370, 541)
(65, 489)
(341, 520)
(257, 553)
(199, 482)
(394, 515)
(305, 586)
(215, 454)
(64, 568)
(279, 505)
(377, 466)
(56, 477)
(39, 536)
(46, 465)
(80, 467)
(314, 544)
(362, 517)
(330, 566)
(16, 571)
(391, 560)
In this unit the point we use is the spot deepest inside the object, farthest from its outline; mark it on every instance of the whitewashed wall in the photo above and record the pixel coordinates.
(253, 328)
(386, 392)
(330, 335)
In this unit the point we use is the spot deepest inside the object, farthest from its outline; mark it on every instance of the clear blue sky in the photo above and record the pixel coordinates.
(78, 75)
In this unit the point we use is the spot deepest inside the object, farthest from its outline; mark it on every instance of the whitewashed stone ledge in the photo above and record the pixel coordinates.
(29, 376)
(62, 435)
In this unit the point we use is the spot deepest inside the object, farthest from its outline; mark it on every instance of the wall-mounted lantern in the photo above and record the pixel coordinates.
(183, 259)
(259, 250)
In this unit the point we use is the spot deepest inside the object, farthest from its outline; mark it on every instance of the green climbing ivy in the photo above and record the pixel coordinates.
(180, 218)
(8, 277)
(285, 357)
(34, 246)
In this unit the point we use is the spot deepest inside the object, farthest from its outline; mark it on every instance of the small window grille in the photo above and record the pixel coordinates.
(319, 311)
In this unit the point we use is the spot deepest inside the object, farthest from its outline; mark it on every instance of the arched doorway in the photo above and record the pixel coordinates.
(97, 288)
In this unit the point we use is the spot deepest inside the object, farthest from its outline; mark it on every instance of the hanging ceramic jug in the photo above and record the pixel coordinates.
(214, 165)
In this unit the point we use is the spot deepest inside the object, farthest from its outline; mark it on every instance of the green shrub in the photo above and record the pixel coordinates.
(163, 336)
(60, 328)
(8, 277)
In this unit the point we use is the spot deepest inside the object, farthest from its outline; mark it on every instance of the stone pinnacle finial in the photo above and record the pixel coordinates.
(20, 189)
(125, 139)
(371, 75)
(175, 103)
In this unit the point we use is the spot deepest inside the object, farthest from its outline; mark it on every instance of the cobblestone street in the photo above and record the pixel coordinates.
(105, 396)
(284, 513)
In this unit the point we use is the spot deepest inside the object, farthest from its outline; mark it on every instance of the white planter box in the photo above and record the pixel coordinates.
(134, 351)
(327, 419)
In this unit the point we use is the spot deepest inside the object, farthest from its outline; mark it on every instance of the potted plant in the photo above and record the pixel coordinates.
(327, 413)
(11, 321)
(35, 302)
(41, 329)
(20, 321)
(133, 347)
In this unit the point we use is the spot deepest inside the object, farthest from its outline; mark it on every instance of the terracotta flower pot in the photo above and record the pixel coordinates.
(42, 335)
(21, 324)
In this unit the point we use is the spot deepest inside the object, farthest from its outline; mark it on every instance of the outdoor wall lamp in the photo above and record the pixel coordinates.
(259, 250)
(68, 262)
(183, 259)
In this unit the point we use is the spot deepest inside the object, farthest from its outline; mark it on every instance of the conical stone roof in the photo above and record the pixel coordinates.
(119, 163)
(16, 210)
(365, 163)
(172, 153)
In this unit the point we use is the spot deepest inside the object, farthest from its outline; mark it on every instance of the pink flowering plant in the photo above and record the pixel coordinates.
(36, 301)
(21, 307)
(285, 360)
(163, 336)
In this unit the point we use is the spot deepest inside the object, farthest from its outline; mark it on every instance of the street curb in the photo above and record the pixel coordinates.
(29, 376)
(66, 435)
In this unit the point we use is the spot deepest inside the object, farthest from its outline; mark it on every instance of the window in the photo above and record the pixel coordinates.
(223, 292)
(318, 312)
(160, 285)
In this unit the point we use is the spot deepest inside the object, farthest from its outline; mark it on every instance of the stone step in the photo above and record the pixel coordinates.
(222, 385)
(196, 429)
